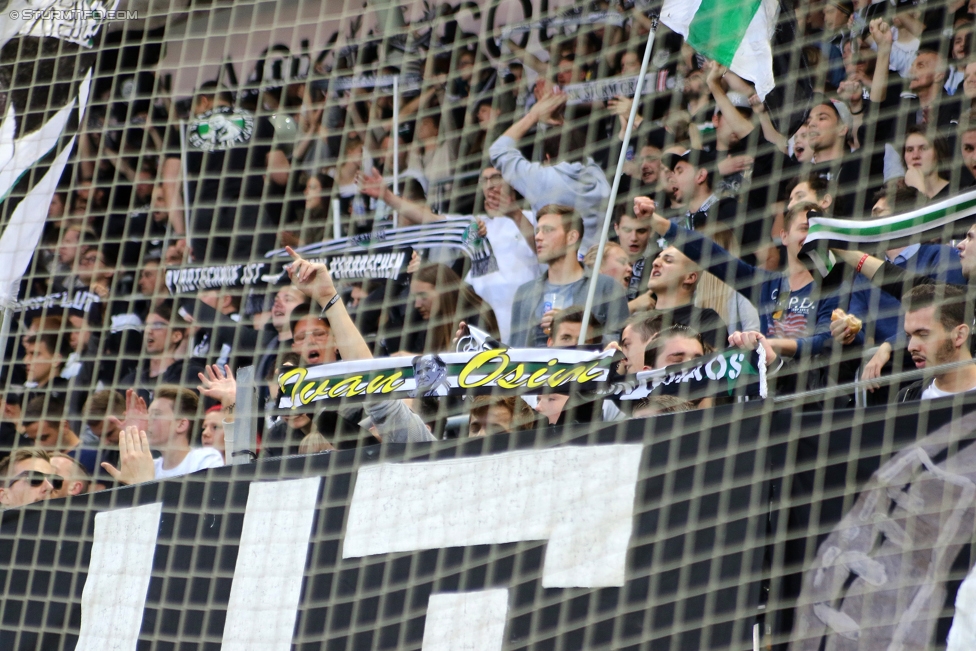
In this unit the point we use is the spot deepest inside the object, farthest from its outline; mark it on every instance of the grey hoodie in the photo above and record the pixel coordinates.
(578, 185)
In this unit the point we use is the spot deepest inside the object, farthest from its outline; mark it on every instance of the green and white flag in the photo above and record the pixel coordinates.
(928, 222)
(736, 33)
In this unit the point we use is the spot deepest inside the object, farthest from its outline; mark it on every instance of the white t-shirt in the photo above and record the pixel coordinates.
(197, 459)
(932, 391)
(517, 265)
(902, 54)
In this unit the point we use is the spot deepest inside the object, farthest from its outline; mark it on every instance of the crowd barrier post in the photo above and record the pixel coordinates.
(244, 443)
(621, 159)
(395, 138)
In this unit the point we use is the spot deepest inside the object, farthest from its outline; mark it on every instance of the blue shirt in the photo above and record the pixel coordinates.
(803, 315)
(882, 314)
(87, 457)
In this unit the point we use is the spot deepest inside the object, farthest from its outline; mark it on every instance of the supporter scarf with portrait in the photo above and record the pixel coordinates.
(521, 371)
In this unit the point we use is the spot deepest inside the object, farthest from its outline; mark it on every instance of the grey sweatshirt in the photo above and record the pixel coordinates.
(582, 186)
(396, 423)
(609, 308)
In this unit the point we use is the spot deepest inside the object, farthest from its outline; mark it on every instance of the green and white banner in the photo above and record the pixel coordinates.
(938, 220)
(736, 33)
(895, 230)
(730, 372)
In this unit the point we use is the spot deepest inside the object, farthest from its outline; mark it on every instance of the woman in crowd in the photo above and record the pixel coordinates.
(926, 157)
(311, 224)
(213, 430)
(961, 46)
(441, 301)
(614, 264)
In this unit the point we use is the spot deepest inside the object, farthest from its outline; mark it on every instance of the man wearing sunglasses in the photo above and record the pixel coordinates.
(27, 477)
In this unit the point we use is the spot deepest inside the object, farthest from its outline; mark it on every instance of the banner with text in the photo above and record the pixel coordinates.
(383, 254)
(521, 370)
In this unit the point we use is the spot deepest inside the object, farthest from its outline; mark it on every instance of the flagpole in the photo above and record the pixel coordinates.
(186, 189)
(591, 292)
(4, 334)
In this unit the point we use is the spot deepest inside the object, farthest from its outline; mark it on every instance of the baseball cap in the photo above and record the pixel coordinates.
(694, 157)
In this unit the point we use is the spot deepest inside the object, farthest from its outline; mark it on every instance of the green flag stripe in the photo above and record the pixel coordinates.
(910, 225)
(719, 27)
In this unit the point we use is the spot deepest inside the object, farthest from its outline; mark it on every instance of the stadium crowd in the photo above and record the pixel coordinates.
(872, 116)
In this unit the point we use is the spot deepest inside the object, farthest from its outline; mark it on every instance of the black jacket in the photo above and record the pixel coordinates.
(912, 392)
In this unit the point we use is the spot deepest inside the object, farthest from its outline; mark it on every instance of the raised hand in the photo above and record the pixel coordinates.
(758, 106)
(881, 33)
(850, 90)
(872, 370)
(371, 183)
(312, 278)
(135, 458)
(414, 265)
(136, 413)
(620, 106)
(218, 384)
(644, 207)
(715, 72)
(544, 108)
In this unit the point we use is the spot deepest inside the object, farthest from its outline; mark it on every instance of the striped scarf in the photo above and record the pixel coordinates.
(945, 219)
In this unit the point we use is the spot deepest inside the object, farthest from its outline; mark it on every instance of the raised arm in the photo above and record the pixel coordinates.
(739, 123)
(772, 136)
(742, 277)
(541, 110)
(173, 194)
(521, 174)
(314, 280)
(395, 422)
(528, 59)
(890, 278)
(410, 212)
(881, 33)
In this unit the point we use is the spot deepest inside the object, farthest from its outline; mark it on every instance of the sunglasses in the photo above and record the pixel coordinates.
(37, 478)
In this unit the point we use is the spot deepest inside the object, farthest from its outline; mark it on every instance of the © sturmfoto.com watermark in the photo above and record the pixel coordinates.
(100, 15)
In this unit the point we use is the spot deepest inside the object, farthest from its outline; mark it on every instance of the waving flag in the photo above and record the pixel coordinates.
(735, 33)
